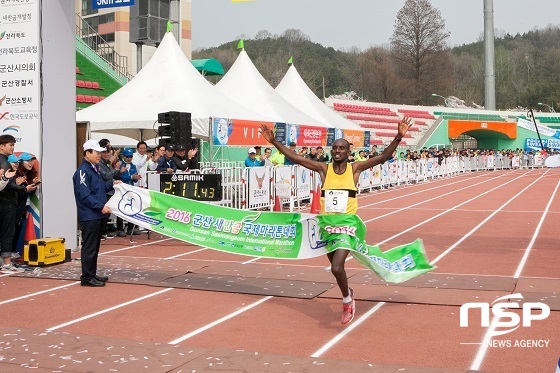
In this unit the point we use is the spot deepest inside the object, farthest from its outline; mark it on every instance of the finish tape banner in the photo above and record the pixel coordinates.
(264, 234)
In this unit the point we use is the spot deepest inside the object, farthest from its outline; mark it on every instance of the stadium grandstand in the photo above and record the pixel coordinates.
(446, 126)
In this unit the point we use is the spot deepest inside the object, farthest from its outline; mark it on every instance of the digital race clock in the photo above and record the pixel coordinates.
(200, 187)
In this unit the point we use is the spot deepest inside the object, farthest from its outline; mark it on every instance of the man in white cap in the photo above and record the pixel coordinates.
(90, 194)
(252, 160)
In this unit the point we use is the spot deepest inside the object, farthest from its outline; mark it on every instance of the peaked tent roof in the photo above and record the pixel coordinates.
(168, 82)
(294, 90)
(244, 84)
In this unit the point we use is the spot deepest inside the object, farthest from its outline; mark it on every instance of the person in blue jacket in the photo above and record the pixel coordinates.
(129, 173)
(90, 194)
(165, 163)
(251, 160)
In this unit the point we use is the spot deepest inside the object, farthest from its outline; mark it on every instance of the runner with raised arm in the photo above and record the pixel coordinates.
(338, 194)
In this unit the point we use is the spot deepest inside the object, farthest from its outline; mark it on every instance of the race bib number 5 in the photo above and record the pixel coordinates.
(336, 200)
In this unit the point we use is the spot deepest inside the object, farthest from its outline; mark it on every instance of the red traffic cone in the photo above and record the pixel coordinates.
(29, 229)
(277, 204)
(316, 201)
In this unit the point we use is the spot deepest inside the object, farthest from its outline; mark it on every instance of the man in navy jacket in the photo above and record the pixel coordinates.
(90, 194)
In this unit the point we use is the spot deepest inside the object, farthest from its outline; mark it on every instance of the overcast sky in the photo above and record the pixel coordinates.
(342, 24)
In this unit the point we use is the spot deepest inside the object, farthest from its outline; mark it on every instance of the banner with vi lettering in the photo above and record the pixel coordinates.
(265, 234)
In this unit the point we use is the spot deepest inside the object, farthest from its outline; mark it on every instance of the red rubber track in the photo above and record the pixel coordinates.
(478, 224)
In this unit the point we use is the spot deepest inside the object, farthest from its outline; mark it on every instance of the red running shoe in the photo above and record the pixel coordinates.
(348, 309)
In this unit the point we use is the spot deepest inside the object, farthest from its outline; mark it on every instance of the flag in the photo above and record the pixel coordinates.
(265, 234)
(240, 44)
(169, 26)
(291, 60)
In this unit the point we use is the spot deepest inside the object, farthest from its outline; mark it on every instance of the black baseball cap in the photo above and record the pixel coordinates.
(169, 147)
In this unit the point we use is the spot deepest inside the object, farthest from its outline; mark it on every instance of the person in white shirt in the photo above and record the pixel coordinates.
(267, 153)
(140, 160)
(156, 155)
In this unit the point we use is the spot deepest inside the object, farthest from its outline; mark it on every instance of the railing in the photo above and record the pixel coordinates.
(104, 50)
(260, 188)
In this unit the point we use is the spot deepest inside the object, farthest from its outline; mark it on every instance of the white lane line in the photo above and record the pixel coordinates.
(109, 309)
(251, 261)
(431, 199)
(219, 321)
(420, 191)
(132, 247)
(346, 331)
(448, 210)
(438, 215)
(534, 238)
(483, 349)
(183, 254)
(338, 337)
(185, 259)
(487, 275)
(74, 283)
(477, 362)
(482, 222)
(464, 210)
(38, 293)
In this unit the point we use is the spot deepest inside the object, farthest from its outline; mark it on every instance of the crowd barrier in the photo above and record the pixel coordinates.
(257, 188)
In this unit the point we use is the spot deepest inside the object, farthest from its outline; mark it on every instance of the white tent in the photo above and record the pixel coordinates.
(295, 91)
(116, 140)
(244, 84)
(168, 82)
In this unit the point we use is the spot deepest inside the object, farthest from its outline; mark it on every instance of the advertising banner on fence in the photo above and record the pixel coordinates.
(535, 144)
(264, 234)
(238, 132)
(280, 133)
(334, 134)
(312, 136)
(367, 139)
(529, 125)
(355, 137)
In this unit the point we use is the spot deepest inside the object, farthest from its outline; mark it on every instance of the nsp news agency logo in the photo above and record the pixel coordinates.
(507, 321)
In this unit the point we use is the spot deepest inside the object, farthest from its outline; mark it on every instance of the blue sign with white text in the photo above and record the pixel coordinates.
(99, 4)
(535, 144)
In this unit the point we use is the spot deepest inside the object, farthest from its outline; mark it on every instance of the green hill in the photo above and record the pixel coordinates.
(527, 68)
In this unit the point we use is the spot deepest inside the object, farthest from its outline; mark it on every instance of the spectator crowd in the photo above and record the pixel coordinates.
(131, 167)
(18, 181)
(255, 158)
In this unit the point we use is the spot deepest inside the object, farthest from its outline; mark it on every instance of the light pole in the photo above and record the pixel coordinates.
(444, 99)
(551, 108)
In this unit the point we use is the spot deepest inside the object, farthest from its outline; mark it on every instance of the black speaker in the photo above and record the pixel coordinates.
(164, 131)
(148, 21)
(164, 141)
(180, 131)
(175, 117)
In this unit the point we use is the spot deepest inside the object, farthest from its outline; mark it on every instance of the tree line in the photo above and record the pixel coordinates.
(414, 64)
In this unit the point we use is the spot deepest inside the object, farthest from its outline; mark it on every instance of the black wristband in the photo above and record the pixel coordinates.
(398, 138)
(4, 178)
